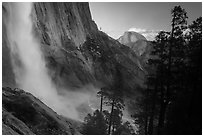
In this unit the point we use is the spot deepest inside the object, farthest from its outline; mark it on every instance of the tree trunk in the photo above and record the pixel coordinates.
(162, 109)
(101, 107)
(162, 116)
(151, 121)
(170, 61)
(165, 100)
(111, 115)
(146, 125)
(113, 128)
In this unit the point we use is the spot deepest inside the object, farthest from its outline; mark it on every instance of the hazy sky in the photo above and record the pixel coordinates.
(144, 17)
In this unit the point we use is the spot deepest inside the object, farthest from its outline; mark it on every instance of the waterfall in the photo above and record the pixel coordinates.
(28, 63)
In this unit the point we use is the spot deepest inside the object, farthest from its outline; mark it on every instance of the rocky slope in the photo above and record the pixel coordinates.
(22, 113)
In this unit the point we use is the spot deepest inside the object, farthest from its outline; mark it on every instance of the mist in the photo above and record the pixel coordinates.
(29, 65)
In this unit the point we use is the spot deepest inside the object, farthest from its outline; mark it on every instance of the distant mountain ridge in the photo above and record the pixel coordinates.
(139, 44)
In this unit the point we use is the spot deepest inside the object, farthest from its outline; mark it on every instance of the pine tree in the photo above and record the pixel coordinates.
(172, 98)
(95, 124)
(113, 96)
(186, 110)
(175, 55)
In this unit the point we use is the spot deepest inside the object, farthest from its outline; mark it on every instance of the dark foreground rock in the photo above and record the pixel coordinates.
(24, 114)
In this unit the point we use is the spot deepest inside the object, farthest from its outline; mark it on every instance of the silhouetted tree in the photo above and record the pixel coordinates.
(171, 99)
(103, 93)
(185, 114)
(115, 98)
(154, 93)
(95, 124)
(125, 129)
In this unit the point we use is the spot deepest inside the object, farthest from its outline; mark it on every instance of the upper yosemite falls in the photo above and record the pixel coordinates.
(62, 75)
(28, 62)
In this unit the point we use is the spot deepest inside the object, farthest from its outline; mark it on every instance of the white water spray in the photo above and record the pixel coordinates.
(29, 65)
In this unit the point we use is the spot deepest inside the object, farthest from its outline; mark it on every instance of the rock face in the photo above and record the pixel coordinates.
(24, 114)
(135, 41)
(62, 28)
(139, 44)
(76, 52)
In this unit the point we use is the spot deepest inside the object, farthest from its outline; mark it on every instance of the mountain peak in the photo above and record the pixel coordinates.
(135, 41)
(131, 37)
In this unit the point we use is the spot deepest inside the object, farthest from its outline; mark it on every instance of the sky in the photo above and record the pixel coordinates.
(146, 18)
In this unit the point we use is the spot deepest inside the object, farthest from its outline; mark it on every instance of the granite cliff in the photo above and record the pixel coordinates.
(76, 52)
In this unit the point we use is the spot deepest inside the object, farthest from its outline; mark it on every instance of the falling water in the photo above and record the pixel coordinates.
(28, 63)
